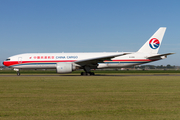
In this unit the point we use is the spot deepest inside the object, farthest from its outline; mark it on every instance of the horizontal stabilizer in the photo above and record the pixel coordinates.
(160, 55)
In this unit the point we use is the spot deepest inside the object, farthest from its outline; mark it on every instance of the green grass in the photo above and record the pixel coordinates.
(96, 71)
(90, 97)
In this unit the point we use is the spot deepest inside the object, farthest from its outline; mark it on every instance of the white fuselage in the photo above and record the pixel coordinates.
(49, 60)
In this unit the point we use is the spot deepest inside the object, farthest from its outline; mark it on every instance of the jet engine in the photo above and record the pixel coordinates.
(65, 67)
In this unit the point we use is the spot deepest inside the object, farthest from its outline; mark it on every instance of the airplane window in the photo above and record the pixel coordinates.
(7, 59)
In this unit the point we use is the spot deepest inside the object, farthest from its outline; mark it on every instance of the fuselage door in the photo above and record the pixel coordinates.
(20, 60)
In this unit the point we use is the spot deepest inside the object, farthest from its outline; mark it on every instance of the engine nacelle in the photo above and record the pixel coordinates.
(65, 67)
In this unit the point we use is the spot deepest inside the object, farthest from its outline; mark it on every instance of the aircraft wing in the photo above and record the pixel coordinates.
(95, 61)
(160, 55)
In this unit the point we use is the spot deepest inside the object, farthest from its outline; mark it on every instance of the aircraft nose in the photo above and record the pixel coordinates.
(4, 63)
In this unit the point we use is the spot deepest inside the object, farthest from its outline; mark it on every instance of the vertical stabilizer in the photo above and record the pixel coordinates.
(154, 43)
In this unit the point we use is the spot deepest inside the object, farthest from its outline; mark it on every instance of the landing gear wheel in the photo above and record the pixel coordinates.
(18, 74)
(83, 73)
(92, 73)
(87, 73)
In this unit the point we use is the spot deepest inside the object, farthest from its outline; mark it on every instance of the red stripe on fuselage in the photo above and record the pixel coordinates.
(11, 63)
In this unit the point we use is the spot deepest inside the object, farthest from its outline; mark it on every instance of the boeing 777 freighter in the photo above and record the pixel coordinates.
(68, 62)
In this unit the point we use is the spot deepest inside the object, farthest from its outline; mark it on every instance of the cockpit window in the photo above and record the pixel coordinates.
(8, 59)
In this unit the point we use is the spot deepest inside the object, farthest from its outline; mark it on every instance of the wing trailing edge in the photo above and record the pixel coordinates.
(95, 61)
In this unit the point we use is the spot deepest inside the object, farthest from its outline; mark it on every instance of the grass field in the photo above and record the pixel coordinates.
(96, 71)
(89, 97)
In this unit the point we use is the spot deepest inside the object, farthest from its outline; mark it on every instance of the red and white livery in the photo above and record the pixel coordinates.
(68, 62)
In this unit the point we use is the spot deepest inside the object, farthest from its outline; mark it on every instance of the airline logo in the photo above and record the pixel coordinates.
(154, 43)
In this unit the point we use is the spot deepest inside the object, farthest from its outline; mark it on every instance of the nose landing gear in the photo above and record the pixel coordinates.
(18, 74)
(17, 70)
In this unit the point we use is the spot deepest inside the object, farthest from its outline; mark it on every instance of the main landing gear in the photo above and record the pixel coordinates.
(87, 71)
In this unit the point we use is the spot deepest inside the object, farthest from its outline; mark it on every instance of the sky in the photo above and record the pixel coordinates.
(52, 26)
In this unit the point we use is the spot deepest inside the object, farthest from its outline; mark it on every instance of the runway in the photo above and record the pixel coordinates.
(33, 75)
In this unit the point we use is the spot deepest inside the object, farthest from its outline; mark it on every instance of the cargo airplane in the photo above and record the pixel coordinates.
(68, 62)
